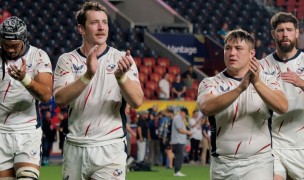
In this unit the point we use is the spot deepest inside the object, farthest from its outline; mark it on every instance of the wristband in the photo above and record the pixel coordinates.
(84, 79)
(122, 79)
(26, 81)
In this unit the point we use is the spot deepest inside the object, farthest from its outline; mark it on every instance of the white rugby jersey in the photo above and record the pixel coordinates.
(97, 116)
(241, 130)
(288, 129)
(18, 108)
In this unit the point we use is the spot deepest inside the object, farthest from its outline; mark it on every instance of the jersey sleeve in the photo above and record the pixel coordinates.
(274, 82)
(206, 87)
(44, 63)
(63, 72)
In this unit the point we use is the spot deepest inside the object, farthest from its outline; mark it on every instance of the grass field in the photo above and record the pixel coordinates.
(159, 173)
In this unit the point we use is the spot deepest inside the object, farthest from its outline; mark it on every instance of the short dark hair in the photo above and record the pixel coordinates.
(87, 6)
(283, 17)
(240, 34)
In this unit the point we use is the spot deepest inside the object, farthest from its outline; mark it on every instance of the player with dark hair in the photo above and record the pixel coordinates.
(96, 82)
(287, 62)
(26, 79)
(238, 102)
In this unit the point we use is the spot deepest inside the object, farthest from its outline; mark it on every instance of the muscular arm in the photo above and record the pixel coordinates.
(130, 89)
(41, 87)
(67, 94)
(212, 104)
(64, 95)
(132, 92)
(275, 99)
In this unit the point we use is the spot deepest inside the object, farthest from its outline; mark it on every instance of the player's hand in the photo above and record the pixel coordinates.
(17, 73)
(123, 65)
(92, 62)
(255, 71)
(245, 81)
(292, 78)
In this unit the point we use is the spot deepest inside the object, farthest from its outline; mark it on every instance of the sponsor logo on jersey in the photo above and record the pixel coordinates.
(224, 89)
(77, 69)
(269, 73)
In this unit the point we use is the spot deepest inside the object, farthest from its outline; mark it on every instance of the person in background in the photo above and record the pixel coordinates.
(130, 133)
(195, 123)
(154, 149)
(179, 135)
(206, 141)
(26, 79)
(238, 102)
(259, 49)
(189, 73)
(161, 135)
(63, 128)
(4, 14)
(300, 39)
(96, 82)
(48, 138)
(164, 88)
(287, 62)
(164, 134)
(223, 32)
(178, 88)
(142, 135)
(153, 110)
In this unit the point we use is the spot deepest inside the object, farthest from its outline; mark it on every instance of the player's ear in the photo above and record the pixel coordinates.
(80, 29)
(252, 53)
(272, 34)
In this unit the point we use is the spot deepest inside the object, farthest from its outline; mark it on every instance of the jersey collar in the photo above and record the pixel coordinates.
(103, 53)
(276, 57)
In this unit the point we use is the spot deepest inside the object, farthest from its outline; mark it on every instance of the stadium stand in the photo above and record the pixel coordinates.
(52, 27)
(292, 6)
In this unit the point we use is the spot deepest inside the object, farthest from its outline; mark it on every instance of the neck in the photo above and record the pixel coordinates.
(85, 49)
(285, 56)
(237, 74)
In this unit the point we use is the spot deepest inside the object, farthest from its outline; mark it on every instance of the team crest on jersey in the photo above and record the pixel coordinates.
(224, 89)
(77, 69)
(300, 70)
(117, 172)
(270, 73)
(110, 67)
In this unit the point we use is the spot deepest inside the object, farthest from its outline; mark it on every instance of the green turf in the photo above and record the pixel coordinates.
(160, 173)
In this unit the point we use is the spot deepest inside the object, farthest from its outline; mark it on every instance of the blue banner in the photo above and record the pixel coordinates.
(190, 47)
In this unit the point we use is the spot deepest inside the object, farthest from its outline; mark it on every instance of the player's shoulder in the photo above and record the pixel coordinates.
(70, 55)
(301, 55)
(35, 50)
(112, 50)
(215, 78)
